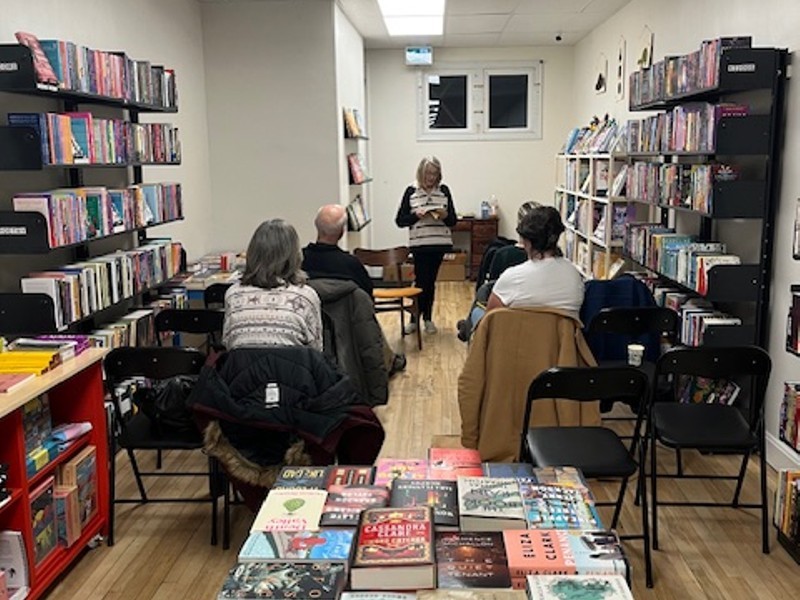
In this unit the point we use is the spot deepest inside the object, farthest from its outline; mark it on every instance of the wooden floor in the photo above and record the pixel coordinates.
(163, 551)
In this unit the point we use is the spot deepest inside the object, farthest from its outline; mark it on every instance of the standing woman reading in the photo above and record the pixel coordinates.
(427, 210)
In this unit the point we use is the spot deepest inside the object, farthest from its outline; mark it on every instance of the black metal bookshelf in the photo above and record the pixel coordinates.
(761, 72)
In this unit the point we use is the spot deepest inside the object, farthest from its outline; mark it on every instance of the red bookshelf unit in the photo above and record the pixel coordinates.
(75, 391)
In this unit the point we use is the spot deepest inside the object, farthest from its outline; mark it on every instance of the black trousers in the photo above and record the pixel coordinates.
(426, 268)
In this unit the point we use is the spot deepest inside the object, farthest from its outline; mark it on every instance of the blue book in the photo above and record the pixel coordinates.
(51, 50)
(38, 122)
(334, 545)
(499, 469)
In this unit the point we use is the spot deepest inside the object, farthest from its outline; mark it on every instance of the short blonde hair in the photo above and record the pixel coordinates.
(429, 162)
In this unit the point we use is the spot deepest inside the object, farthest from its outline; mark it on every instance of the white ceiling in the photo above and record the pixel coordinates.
(492, 22)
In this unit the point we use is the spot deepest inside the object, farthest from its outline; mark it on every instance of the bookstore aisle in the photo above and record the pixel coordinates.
(163, 551)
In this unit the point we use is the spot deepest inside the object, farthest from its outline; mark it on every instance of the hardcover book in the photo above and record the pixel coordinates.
(471, 594)
(346, 502)
(284, 581)
(394, 550)
(301, 477)
(554, 552)
(334, 545)
(378, 596)
(42, 67)
(451, 463)
(471, 560)
(577, 587)
(43, 521)
(440, 495)
(490, 504)
(515, 470)
(67, 509)
(81, 471)
(387, 469)
(290, 509)
(349, 475)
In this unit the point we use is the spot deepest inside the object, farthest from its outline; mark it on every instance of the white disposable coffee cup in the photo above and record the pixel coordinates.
(635, 354)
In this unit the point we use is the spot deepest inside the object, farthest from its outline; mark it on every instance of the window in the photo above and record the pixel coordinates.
(491, 101)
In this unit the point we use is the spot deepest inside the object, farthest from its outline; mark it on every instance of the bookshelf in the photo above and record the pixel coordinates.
(592, 211)
(358, 178)
(707, 166)
(123, 143)
(75, 391)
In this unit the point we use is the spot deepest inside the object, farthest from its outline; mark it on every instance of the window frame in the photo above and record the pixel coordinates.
(478, 75)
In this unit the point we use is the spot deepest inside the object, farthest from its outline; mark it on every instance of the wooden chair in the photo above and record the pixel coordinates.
(391, 295)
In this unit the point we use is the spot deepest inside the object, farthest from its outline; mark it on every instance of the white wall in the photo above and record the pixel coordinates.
(679, 27)
(273, 115)
(350, 94)
(514, 171)
(167, 33)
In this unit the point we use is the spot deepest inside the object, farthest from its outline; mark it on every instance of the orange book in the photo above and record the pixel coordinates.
(450, 463)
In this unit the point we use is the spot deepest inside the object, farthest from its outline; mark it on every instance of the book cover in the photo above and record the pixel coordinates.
(577, 587)
(349, 475)
(470, 594)
(284, 581)
(441, 495)
(333, 545)
(11, 382)
(556, 552)
(394, 536)
(290, 509)
(345, 503)
(471, 560)
(450, 463)
(81, 471)
(558, 507)
(378, 596)
(13, 560)
(387, 469)
(514, 470)
(301, 477)
(562, 476)
(43, 521)
(489, 503)
(67, 514)
(42, 67)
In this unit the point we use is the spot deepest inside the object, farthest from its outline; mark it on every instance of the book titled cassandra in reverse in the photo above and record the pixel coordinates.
(394, 550)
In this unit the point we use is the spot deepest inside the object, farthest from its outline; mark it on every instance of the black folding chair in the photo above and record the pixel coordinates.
(205, 321)
(713, 428)
(597, 451)
(214, 295)
(137, 431)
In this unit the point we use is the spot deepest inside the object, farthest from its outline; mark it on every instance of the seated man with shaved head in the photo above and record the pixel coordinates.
(324, 259)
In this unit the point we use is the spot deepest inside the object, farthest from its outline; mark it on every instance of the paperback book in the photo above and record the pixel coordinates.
(290, 509)
(471, 560)
(490, 504)
(558, 507)
(301, 477)
(388, 469)
(284, 581)
(349, 475)
(451, 463)
(440, 495)
(345, 503)
(334, 545)
(577, 587)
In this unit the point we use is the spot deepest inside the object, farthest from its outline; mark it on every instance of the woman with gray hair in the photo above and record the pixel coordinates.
(272, 305)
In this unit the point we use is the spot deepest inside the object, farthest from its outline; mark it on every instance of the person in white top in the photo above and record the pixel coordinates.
(546, 278)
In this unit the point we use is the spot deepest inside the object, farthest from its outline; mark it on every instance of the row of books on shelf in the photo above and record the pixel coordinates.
(357, 167)
(80, 138)
(592, 261)
(60, 507)
(65, 65)
(75, 215)
(690, 127)
(354, 123)
(786, 513)
(793, 324)
(696, 314)
(598, 137)
(677, 256)
(83, 288)
(591, 218)
(681, 75)
(789, 425)
(680, 185)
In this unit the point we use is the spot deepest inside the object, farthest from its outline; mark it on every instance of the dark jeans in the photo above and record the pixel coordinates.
(426, 268)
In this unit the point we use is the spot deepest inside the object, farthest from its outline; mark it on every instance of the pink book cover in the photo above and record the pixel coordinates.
(450, 463)
(389, 469)
(42, 67)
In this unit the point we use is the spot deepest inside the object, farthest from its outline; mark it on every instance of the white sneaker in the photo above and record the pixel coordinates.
(410, 328)
(430, 327)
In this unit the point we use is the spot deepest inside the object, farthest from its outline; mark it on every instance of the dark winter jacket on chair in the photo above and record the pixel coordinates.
(353, 336)
(263, 408)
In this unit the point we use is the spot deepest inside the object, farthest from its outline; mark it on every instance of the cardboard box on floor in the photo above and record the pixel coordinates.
(453, 267)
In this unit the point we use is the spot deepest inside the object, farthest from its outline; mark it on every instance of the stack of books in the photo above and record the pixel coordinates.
(441, 523)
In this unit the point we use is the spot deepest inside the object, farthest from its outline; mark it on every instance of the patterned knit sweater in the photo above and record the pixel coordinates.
(427, 231)
(289, 315)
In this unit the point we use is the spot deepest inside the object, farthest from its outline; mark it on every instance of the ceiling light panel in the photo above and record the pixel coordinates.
(414, 25)
(411, 8)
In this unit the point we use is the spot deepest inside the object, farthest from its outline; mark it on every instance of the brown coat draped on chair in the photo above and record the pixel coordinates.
(511, 347)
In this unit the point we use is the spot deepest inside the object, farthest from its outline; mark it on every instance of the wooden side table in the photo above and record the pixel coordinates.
(481, 232)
